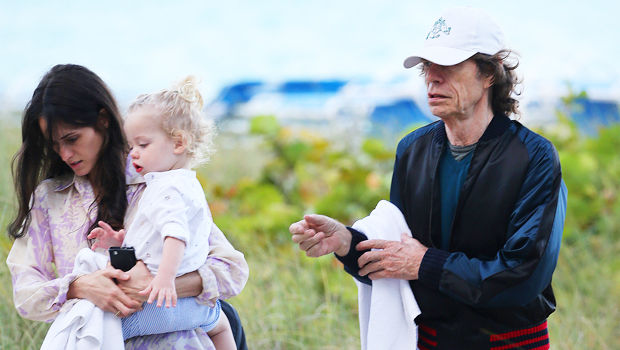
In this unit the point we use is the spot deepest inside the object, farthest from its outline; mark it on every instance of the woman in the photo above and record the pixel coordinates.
(73, 141)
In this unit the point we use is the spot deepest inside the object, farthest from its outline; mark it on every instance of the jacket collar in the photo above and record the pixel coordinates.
(496, 127)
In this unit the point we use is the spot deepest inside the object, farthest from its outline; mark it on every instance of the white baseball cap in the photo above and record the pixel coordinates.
(458, 34)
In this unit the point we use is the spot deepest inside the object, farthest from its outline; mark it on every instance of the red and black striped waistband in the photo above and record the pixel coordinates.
(427, 337)
(534, 338)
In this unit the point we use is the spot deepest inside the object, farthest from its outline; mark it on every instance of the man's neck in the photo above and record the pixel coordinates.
(466, 131)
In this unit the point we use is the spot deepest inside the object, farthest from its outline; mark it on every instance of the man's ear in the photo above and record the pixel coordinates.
(489, 82)
(180, 142)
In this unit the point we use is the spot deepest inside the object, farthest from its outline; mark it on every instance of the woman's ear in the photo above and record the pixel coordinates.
(103, 119)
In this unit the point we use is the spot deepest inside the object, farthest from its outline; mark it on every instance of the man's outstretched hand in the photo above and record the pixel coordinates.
(319, 235)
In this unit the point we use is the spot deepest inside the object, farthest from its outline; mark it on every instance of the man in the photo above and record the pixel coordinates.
(482, 195)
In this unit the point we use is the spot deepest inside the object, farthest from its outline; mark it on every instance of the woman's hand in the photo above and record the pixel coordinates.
(139, 278)
(99, 288)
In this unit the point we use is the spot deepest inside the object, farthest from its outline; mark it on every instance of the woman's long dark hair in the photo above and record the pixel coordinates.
(71, 95)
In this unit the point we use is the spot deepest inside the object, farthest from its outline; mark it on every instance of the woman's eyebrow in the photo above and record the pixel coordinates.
(70, 133)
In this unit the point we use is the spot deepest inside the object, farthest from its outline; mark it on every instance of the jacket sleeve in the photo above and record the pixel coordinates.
(37, 292)
(350, 260)
(522, 269)
(225, 273)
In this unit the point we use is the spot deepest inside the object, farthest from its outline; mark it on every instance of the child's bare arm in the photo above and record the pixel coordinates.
(162, 286)
(106, 236)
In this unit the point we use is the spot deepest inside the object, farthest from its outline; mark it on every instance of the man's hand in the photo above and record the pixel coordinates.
(106, 236)
(392, 259)
(319, 235)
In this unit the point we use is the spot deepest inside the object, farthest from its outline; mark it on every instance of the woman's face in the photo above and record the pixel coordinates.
(77, 146)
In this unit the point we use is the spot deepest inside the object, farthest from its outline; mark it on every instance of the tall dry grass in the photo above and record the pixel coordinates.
(295, 302)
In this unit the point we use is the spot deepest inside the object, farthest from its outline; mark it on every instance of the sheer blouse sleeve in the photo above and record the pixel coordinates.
(38, 293)
(225, 273)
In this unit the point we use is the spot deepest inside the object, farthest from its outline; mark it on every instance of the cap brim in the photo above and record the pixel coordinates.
(441, 55)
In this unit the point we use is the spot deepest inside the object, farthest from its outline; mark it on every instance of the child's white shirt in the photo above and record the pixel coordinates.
(172, 205)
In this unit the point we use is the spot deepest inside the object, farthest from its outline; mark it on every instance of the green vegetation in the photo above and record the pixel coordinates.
(295, 302)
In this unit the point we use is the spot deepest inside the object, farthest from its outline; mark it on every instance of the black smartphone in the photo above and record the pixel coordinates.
(122, 258)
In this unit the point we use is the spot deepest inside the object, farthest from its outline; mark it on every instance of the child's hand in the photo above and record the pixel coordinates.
(106, 236)
(163, 289)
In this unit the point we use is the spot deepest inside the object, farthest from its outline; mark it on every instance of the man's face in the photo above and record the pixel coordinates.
(455, 91)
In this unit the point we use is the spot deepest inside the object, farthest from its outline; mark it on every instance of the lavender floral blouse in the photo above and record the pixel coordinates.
(41, 262)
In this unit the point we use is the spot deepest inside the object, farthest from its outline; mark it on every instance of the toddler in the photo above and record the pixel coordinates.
(168, 135)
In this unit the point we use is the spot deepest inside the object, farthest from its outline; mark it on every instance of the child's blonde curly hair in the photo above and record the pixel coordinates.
(181, 117)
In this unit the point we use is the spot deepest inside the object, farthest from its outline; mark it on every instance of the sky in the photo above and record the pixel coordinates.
(143, 46)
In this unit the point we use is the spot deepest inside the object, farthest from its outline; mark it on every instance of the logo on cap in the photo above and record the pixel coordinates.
(439, 27)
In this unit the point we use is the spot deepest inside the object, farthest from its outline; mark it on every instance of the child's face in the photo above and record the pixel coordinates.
(151, 148)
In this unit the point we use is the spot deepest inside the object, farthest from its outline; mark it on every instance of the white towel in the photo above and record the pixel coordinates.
(85, 326)
(387, 309)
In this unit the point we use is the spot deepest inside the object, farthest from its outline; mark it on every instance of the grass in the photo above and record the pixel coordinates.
(15, 332)
(587, 288)
(292, 302)
(295, 302)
